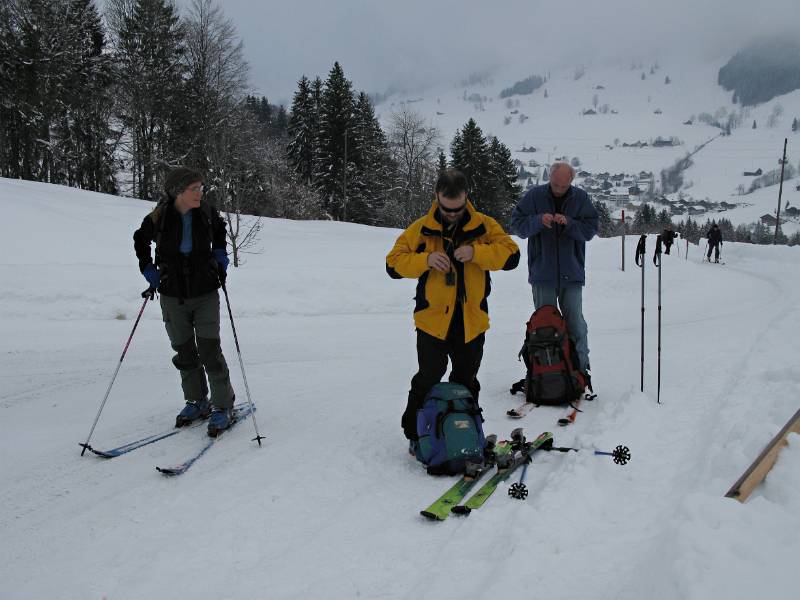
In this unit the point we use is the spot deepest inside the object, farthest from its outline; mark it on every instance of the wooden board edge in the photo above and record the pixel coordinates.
(762, 465)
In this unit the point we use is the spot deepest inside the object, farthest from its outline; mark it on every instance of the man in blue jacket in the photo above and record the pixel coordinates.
(558, 219)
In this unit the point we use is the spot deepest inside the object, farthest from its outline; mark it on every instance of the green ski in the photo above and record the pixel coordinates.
(440, 509)
(506, 465)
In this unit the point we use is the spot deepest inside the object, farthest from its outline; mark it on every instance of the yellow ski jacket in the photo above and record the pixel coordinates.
(471, 283)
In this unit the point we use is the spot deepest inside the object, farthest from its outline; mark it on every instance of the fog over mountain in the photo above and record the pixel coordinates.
(416, 43)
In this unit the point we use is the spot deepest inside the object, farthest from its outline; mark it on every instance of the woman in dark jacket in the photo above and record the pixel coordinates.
(190, 264)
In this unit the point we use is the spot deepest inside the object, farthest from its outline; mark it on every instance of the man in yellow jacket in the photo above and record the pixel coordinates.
(450, 251)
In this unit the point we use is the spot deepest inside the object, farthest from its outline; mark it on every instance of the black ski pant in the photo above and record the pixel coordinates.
(667, 246)
(432, 355)
(715, 247)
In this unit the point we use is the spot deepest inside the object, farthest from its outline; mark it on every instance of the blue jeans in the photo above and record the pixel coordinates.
(571, 306)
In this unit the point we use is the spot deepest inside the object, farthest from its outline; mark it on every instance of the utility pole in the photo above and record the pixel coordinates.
(623, 239)
(780, 192)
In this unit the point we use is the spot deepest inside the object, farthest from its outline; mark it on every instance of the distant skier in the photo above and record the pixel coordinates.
(190, 262)
(714, 237)
(667, 237)
(450, 251)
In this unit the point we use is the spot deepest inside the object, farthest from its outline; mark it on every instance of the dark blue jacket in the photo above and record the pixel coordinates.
(526, 222)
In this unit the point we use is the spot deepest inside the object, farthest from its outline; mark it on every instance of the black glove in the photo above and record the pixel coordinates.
(409, 423)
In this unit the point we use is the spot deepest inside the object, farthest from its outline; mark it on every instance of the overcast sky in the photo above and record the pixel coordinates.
(412, 43)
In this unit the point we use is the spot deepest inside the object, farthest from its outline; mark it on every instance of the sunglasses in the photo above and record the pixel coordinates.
(452, 211)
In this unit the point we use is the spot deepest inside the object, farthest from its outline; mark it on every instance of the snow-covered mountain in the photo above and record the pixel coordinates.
(634, 105)
(329, 506)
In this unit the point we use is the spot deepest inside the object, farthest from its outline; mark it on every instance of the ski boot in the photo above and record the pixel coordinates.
(220, 420)
(194, 410)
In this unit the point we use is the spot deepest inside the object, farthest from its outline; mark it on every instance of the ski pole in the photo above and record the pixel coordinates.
(558, 267)
(657, 263)
(148, 294)
(621, 454)
(640, 251)
(258, 437)
(518, 490)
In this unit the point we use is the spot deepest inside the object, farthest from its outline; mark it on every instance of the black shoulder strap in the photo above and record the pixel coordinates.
(208, 219)
(163, 206)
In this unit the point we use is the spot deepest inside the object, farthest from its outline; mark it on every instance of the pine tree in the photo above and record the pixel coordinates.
(9, 120)
(442, 161)
(281, 123)
(264, 111)
(39, 59)
(639, 218)
(754, 124)
(81, 143)
(335, 120)
(606, 225)
(692, 230)
(651, 218)
(727, 229)
(301, 147)
(150, 85)
(470, 155)
(504, 187)
(54, 94)
(762, 234)
(663, 219)
(367, 165)
(92, 110)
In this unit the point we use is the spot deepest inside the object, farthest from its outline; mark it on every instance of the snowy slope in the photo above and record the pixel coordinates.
(329, 507)
(556, 126)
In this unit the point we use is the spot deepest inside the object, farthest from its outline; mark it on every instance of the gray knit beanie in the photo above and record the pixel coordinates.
(180, 178)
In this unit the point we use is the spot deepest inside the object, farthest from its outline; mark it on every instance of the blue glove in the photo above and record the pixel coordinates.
(151, 274)
(222, 259)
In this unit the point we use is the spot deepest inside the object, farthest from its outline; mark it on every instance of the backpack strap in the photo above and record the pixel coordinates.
(163, 206)
(207, 213)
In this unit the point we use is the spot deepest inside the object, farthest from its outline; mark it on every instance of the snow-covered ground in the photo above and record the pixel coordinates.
(556, 127)
(329, 506)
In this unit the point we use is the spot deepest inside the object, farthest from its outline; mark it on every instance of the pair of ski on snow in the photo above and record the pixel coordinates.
(241, 412)
(507, 457)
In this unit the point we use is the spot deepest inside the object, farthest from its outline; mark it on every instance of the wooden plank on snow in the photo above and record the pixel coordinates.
(762, 465)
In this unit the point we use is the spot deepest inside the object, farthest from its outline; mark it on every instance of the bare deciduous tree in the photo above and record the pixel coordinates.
(413, 143)
(216, 75)
(235, 181)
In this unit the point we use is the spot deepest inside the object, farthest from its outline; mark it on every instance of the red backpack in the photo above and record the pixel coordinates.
(549, 354)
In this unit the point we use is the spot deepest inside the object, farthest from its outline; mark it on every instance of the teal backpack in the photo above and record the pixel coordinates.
(450, 430)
